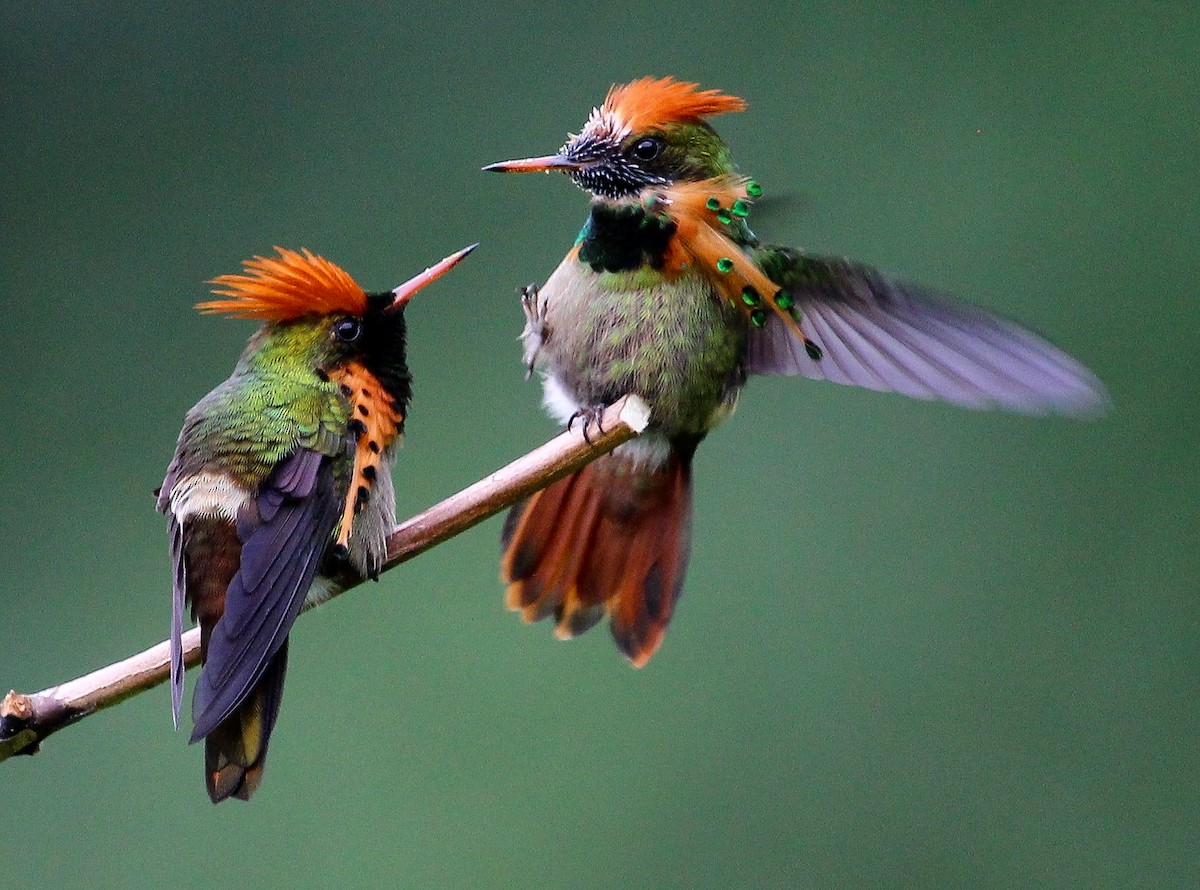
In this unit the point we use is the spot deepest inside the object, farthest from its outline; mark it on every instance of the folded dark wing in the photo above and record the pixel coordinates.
(876, 333)
(284, 534)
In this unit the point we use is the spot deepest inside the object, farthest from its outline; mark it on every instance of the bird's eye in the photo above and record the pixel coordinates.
(647, 149)
(348, 330)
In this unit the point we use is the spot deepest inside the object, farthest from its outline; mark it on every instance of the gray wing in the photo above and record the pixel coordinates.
(178, 594)
(882, 335)
(178, 587)
(284, 533)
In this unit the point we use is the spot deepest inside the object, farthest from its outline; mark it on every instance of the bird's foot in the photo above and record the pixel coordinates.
(536, 332)
(593, 414)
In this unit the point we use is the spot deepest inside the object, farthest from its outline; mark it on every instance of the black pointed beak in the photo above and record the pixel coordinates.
(548, 164)
(405, 292)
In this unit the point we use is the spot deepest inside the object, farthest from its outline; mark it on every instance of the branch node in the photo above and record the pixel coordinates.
(635, 413)
(16, 715)
(16, 706)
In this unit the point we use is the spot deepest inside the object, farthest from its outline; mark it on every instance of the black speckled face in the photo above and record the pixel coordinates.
(619, 164)
(610, 169)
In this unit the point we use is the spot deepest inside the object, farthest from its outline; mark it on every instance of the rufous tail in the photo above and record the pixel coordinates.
(611, 539)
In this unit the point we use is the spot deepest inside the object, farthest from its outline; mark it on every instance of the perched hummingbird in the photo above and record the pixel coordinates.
(669, 295)
(282, 475)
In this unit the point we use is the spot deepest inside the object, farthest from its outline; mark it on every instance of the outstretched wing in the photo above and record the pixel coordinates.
(284, 532)
(878, 334)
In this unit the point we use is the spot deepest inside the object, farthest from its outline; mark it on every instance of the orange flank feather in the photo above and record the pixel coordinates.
(379, 424)
(287, 287)
(651, 102)
(610, 539)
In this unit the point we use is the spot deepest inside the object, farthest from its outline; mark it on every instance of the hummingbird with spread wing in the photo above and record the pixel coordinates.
(281, 476)
(668, 294)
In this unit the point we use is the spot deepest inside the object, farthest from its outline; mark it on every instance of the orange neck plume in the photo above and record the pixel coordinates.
(703, 212)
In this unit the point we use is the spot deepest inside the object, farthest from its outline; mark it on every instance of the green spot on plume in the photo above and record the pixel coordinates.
(758, 318)
(753, 189)
(725, 265)
(713, 204)
(741, 208)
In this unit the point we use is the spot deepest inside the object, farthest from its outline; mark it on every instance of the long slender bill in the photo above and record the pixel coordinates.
(405, 291)
(548, 164)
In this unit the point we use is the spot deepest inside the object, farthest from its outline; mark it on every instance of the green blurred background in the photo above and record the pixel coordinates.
(919, 646)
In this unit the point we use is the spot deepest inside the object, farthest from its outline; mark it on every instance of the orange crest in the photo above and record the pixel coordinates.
(286, 288)
(649, 102)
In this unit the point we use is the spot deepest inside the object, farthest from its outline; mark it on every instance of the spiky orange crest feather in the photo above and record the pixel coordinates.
(287, 287)
(651, 102)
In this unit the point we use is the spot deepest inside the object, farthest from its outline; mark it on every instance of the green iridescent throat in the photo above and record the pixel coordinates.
(624, 237)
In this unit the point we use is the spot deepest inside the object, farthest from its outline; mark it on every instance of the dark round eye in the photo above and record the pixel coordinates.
(647, 149)
(348, 330)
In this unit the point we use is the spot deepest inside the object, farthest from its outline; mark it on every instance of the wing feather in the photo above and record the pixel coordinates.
(178, 594)
(882, 335)
(284, 533)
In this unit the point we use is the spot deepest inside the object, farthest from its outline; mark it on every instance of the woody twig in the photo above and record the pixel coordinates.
(28, 719)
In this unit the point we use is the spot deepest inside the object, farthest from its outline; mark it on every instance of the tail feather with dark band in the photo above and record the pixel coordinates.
(610, 539)
(236, 751)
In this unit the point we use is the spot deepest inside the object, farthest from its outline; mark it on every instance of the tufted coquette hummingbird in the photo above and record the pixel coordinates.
(282, 476)
(668, 294)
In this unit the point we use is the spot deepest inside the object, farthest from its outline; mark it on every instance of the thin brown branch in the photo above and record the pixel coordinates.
(27, 719)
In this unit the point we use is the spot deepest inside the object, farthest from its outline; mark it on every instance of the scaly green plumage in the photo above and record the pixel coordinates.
(273, 403)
